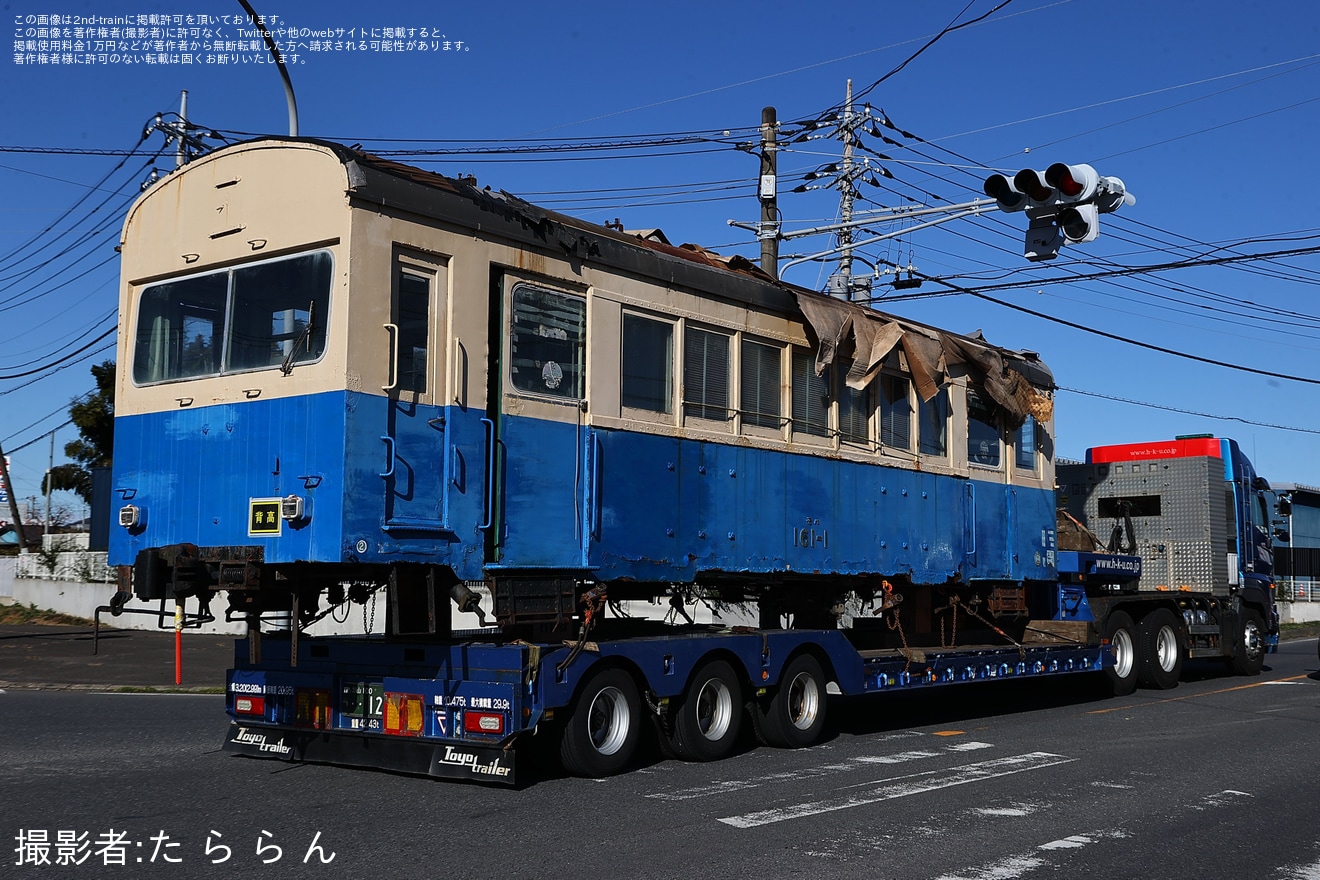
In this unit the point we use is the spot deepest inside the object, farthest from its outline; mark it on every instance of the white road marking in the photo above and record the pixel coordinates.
(1008, 869)
(1300, 872)
(1013, 867)
(848, 766)
(1221, 798)
(904, 786)
(1014, 811)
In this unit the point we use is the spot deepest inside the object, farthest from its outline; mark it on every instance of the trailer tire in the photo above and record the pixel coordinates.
(709, 717)
(1160, 649)
(1122, 635)
(794, 715)
(1249, 655)
(600, 736)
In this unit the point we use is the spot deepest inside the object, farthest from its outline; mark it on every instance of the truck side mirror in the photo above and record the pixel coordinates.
(1282, 536)
(1284, 506)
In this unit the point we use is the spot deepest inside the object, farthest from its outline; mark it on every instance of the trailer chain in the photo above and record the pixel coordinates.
(1022, 649)
(950, 640)
(890, 603)
(593, 602)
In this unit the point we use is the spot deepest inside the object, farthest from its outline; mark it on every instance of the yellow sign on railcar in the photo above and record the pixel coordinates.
(264, 516)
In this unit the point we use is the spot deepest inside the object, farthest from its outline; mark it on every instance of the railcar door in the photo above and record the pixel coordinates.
(536, 509)
(416, 434)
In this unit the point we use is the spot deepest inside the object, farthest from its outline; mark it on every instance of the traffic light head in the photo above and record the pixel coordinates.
(1080, 223)
(1072, 183)
(1032, 182)
(1002, 190)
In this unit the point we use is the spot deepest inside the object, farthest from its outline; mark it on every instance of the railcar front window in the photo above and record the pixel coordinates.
(247, 318)
(548, 344)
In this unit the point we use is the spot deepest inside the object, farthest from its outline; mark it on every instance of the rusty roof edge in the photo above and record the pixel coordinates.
(407, 187)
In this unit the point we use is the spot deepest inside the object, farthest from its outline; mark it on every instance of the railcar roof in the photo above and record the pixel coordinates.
(395, 185)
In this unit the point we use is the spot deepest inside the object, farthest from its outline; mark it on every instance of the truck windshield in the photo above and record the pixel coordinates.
(245, 318)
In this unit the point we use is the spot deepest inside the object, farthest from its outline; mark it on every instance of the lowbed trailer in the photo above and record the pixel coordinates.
(456, 710)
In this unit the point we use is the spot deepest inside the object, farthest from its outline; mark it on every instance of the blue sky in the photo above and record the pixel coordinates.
(1206, 110)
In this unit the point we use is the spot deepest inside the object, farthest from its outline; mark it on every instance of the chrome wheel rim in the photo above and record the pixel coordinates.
(803, 700)
(714, 706)
(608, 720)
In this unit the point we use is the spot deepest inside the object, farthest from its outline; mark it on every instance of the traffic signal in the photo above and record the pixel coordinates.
(1002, 190)
(1063, 204)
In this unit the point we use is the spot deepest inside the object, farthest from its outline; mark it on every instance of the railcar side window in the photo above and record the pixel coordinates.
(648, 363)
(854, 409)
(548, 345)
(760, 404)
(933, 416)
(895, 412)
(811, 396)
(246, 318)
(1026, 446)
(705, 374)
(413, 316)
(982, 430)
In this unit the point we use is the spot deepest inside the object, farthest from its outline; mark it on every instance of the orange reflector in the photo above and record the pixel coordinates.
(250, 705)
(483, 722)
(312, 709)
(404, 714)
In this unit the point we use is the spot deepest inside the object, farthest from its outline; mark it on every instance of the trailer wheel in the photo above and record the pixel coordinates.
(601, 734)
(1121, 632)
(1160, 649)
(1250, 654)
(708, 719)
(794, 716)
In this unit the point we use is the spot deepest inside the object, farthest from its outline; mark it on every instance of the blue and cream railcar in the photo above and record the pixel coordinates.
(335, 368)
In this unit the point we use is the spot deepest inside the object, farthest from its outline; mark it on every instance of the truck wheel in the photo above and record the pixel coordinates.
(1121, 632)
(1160, 649)
(602, 731)
(1250, 654)
(794, 716)
(709, 717)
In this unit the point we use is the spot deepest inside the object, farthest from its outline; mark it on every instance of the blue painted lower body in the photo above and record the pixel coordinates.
(387, 481)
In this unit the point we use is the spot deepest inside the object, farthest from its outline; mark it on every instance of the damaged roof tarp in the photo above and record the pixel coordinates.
(930, 353)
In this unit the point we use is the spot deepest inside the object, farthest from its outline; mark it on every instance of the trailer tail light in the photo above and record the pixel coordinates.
(250, 705)
(313, 708)
(483, 722)
(404, 714)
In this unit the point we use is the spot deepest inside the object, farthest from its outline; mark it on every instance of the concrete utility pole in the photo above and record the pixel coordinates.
(49, 467)
(847, 195)
(13, 503)
(768, 231)
(181, 151)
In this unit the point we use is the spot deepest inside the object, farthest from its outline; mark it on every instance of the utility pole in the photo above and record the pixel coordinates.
(847, 195)
(768, 230)
(181, 151)
(13, 503)
(49, 467)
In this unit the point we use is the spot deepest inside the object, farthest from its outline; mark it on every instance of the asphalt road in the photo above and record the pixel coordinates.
(1214, 779)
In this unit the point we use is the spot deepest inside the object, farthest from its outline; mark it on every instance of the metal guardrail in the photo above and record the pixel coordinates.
(1297, 590)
